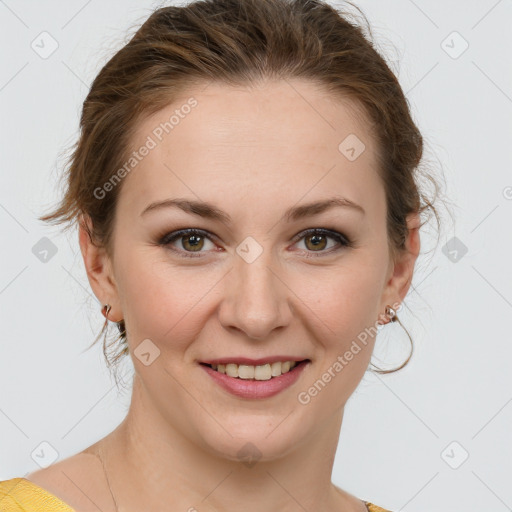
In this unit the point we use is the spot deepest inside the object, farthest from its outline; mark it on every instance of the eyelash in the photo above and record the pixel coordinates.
(344, 241)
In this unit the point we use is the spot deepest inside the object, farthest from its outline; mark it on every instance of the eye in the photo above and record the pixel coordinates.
(315, 241)
(193, 240)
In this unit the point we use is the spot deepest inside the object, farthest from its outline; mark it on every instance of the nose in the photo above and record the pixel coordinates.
(257, 301)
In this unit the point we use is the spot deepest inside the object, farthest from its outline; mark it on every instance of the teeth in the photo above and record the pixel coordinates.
(231, 370)
(276, 369)
(261, 372)
(245, 372)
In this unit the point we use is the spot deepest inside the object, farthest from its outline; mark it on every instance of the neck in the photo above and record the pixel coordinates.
(155, 465)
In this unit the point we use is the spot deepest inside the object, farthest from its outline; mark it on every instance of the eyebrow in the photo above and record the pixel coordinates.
(295, 213)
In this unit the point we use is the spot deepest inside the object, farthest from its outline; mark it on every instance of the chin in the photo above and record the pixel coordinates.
(254, 437)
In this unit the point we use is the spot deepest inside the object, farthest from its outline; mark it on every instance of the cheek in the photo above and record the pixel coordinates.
(346, 299)
(347, 308)
(161, 301)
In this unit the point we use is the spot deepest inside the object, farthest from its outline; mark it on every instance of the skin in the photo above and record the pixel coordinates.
(253, 152)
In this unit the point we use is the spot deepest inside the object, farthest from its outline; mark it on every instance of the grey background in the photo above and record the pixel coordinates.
(405, 436)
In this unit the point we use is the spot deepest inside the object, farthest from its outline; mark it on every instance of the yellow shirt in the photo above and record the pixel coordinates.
(22, 495)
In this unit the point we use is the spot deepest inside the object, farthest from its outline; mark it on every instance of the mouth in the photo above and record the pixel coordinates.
(260, 372)
(259, 380)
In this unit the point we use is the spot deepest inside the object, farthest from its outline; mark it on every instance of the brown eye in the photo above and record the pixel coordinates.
(316, 242)
(186, 242)
(192, 242)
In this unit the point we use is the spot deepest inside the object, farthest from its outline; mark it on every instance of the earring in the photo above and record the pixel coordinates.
(120, 325)
(390, 314)
(105, 310)
(393, 317)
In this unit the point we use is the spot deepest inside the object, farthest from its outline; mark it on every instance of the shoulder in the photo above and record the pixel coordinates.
(374, 508)
(21, 495)
(357, 504)
(73, 484)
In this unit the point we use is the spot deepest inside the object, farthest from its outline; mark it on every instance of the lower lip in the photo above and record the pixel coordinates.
(256, 388)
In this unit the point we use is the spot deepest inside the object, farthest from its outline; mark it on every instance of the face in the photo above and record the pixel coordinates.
(254, 282)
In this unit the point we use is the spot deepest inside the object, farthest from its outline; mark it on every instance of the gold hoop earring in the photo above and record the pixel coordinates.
(393, 317)
(120, 325)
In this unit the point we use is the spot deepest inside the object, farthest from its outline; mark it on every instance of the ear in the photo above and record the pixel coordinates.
(99, 270)
(401, 271)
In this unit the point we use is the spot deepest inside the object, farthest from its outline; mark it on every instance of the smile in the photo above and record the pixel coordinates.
(255, 381)
(261, 372)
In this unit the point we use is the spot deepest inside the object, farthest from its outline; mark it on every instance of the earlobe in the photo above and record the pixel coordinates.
(98, 268)
(388, 316)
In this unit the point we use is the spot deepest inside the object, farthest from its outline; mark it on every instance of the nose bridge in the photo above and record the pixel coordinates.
(257, 302)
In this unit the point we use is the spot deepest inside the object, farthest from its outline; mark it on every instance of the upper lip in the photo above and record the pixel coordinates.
(252, 362)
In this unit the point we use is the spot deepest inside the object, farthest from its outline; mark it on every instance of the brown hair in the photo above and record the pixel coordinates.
(240, 42)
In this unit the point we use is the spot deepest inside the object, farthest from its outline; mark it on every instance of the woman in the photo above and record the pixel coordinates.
(244, 185)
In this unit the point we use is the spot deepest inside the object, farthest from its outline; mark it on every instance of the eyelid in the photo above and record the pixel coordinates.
(170, 236)
(322, 231)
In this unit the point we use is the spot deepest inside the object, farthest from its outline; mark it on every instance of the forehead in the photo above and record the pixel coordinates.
(285, 138)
